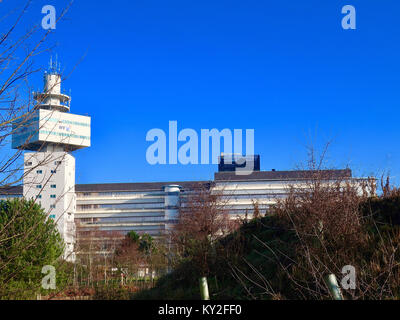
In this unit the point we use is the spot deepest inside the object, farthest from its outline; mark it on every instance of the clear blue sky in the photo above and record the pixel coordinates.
(284, 68)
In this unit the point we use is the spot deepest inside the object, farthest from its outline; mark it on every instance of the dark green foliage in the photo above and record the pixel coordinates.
(28, 241)
(133, 236)
(146, 244)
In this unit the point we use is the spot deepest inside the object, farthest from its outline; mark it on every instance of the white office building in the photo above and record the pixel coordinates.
(152, 207)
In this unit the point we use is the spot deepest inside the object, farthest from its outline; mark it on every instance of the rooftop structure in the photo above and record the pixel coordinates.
(229, 162)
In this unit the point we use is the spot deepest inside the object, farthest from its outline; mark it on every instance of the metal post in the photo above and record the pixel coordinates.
(204, 288)
(334, 287)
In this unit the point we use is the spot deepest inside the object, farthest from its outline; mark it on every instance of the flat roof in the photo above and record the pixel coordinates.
(283, 175)
(135, 186)
(218, 177)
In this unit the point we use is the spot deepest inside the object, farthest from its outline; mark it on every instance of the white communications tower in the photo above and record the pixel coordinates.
(51, 133)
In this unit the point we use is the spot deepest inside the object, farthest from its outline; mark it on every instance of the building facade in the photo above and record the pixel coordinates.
(109, 211)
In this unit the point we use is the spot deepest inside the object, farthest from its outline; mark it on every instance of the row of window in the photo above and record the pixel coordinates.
(29, 163)
(139, 219)
(41, 171)
(39, 186)
(139, 194)
(39, 196)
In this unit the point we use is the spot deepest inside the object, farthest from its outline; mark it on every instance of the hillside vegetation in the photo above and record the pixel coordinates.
(287, 254)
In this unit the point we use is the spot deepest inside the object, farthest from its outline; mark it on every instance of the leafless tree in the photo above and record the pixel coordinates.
(19, 46)
(328, 223)
(203, 219)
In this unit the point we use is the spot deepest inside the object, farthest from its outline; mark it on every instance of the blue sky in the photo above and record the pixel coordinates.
(286, 69)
